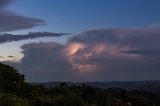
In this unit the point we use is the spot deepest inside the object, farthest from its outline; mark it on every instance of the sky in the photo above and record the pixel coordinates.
(109, 40)
(76, 16)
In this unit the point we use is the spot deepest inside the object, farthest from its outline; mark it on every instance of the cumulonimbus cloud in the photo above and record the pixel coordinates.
(104, 54)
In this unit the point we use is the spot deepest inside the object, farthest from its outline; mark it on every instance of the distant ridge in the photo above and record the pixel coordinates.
(150, 86)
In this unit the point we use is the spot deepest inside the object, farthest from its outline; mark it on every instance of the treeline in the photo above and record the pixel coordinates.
(14, 91)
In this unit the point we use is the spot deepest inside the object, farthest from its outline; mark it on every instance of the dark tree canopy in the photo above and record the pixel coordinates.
(10, 79)
(14, 91)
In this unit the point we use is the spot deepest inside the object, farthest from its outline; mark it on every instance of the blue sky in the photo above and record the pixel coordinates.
(79, 15)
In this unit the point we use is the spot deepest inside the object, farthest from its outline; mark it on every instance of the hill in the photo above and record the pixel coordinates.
(150, 86)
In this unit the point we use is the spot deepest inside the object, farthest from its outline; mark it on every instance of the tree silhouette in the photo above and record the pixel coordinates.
(10, 80)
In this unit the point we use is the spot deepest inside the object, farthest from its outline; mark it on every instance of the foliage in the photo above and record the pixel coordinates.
(14, 91)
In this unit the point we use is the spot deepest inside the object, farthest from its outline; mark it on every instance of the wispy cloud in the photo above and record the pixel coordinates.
(9, 37)
(144, 52)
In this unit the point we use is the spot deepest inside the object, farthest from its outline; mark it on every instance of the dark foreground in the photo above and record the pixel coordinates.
(14, 91)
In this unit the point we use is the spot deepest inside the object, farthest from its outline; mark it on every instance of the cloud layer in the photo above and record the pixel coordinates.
(9, 37)
(10, 21)
(95, 55)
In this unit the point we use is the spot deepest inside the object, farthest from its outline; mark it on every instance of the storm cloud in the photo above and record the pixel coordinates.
(44, 62)
(95, 55)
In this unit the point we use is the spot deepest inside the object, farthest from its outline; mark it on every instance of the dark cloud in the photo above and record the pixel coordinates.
(141, 37)
(44, 62)
(9, 37)
(144, 52)
(10, 56)
(96, 55)
(10, 21)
